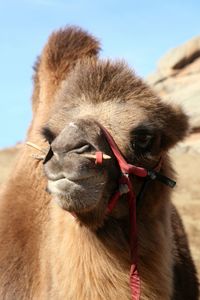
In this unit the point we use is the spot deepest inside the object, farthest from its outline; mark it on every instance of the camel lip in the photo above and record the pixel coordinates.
(72, 179)
(57, 177)
(68, 178)
(59, 187)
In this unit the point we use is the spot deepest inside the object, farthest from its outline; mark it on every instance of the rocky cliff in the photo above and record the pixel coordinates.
(177, 79)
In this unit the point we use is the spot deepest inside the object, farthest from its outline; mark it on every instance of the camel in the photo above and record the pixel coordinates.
(57, 239)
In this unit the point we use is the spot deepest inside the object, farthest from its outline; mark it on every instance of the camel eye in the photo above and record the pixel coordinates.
(143, 140)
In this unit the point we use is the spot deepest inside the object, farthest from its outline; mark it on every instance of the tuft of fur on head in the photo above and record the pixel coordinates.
(104, 80)
(65, 47)
(94, 82)
(60, 55)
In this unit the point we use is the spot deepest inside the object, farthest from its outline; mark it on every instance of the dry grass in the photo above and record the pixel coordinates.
(186, 195)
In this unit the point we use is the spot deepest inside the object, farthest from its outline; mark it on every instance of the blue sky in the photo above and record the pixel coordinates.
(138, 31)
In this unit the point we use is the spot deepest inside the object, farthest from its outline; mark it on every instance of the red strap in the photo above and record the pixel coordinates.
(134, 283)
(134, 276)
(113, 202)
(142, 172)
(124, 166)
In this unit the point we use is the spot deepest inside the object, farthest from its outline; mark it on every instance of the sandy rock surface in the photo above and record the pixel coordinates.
(177, 79)
(186, 195)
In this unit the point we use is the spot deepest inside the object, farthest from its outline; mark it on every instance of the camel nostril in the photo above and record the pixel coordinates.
(48, 156)
(58, 154)
(82, 149)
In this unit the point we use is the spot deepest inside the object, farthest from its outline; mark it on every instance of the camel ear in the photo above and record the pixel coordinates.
(63, 50)
(175, 126)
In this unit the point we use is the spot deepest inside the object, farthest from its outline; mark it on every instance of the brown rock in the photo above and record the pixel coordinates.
(181, 56)
(177, 79)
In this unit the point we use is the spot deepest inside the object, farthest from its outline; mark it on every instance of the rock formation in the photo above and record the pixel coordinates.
(177, 79)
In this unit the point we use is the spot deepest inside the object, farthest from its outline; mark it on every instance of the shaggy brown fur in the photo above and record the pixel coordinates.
(46, 253)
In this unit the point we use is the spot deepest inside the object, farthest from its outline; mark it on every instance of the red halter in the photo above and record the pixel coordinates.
(126, 187)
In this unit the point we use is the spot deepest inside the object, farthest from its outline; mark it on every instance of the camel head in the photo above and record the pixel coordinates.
(144, 128)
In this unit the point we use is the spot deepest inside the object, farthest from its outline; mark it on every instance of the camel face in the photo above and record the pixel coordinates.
(77, 183)
(108, 94)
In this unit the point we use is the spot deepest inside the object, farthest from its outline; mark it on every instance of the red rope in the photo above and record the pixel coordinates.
(127, 169)
(113, 201)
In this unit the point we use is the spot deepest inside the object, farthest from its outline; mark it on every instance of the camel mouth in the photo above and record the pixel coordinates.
(76, 193)
(63, 186)
(57, 186)
(60, 186)
(62, 178)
